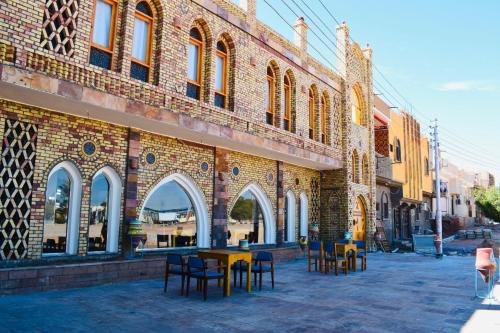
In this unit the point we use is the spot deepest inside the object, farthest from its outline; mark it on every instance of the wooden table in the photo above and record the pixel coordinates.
(228, 257)
(350, 247)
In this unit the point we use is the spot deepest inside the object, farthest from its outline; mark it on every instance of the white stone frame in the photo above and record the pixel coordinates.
(75, 197)
(304, 214)
(115, 198)
(290, 219)
(198, 200)
(267, 211)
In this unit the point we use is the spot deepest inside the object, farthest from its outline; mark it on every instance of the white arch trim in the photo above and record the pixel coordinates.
(267, 211)
(74, 206)
(115, 195)
(304, 214)
(290, 212)
(199, 203)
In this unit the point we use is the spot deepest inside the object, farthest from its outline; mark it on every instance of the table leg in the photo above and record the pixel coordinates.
(249, 276)
(321, 258)
(354, 260)
(228, 278)
(219, 270)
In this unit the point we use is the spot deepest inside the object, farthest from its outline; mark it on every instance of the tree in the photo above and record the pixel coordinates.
(489, 202)
(242, 210)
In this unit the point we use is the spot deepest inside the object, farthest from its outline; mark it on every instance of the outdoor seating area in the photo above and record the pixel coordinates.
(340, 255)
(217, 265)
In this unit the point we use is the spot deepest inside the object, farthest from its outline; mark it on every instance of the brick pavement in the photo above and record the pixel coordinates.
(398, 293)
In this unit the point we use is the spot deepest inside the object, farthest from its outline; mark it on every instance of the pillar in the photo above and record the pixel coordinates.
(280, 221)
(130, 197)
(221, 193)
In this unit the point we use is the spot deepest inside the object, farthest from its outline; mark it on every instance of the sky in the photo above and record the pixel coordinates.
(442, 56)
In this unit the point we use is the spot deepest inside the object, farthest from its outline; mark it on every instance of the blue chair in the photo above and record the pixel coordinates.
(313, 246)
(264, 263)
(332, 255)
(241, 267)
(197, 268)
(361, 252)
(175, 265)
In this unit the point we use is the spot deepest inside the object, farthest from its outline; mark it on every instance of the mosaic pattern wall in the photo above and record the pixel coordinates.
(16, 181)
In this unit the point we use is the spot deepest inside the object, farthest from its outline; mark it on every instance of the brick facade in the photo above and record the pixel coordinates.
(128, 119)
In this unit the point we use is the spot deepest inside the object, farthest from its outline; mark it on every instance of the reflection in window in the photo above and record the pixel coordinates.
(55, 223)
(99, 211)
(169, 218)
(246, 221)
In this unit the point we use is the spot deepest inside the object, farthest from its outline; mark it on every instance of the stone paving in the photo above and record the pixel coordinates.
(398, 293)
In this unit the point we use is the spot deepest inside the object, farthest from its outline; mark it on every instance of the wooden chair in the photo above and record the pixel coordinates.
(313, 252)
(175, 265)
(361, 252)
(264, 263)
(198, 269)
(329, 255)
(339, 257)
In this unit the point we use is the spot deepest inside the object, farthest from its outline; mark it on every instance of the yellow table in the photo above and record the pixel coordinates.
(350, 247)
(228, 257)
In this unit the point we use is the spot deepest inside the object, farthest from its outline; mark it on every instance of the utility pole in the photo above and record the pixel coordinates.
(438, 242)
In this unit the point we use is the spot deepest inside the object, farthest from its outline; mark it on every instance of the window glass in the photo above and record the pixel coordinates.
(56, 212)
(169, 218)
(268, 94)
(102, 23)
(99, 210)
(141, 35)
(193, 62)
(246, 221)
(219, 73)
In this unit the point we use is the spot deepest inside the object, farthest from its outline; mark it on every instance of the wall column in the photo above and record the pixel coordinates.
(280, 221)
(130, 197)
(219, 215)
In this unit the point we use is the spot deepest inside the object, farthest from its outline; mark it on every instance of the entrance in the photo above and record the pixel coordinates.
(359, 220)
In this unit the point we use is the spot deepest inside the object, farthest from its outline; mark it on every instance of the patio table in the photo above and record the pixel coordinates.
(350, 247)
(228, 257)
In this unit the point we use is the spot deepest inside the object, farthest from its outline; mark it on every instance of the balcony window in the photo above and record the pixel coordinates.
(311, 114)
(270, 96)
(101, 50)
(221, 75)
(141, 47)
(287, 104)
(194, 64)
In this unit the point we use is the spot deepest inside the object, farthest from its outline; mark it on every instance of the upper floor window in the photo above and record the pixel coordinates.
(221, 73)
(357, 106)
(287, 104)
(397, 153)
(141, 46)
(355, 167)
(324, 132)
(194, 63)
(270, 90)
(311, 114)
(103, 31)
(427, 167)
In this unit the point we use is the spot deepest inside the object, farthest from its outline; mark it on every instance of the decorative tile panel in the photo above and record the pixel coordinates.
(59, 26)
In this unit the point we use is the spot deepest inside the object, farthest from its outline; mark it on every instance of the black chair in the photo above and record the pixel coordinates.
(313, 253)
(264, 263)
(241, 267)
(178, 268)
(198, 269)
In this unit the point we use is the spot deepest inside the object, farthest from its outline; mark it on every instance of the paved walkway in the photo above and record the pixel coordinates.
(399, 293)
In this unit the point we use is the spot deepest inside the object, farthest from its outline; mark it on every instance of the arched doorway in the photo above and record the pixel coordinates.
(359, 220)
(304, 215)
(289, 213)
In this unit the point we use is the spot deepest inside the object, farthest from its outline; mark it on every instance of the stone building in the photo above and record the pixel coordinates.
(190, 115)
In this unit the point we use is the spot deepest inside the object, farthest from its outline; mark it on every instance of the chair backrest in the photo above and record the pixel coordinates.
(343, 241)
(329, 247)
(360, 244)
(174, 259)
(196, 263)
(264, 256)
(315, 245)
(339, 250)
(484, 258)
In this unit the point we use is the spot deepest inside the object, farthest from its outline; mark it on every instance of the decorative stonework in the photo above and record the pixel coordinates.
(205, 168)
(149, 158)
(16, 184)
(89, 148)
(59, 26)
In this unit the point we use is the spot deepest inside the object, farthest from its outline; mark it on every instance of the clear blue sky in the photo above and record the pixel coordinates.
(443, 56)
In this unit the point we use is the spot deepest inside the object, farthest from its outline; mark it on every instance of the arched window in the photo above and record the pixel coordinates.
(289, 213)
(246, 221)
(195, 51)
(324, 111)
(270, 91)
(355, 167)
(357, 106)
(384, 207)
(62, 210)
(397, 152)
(169, 217)
(304, 215)
(312, 97)
(103, 33)
(141, 45)
(287, 103)
(221, 75)
(427, 167)
(104, 219)
(365, 170)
